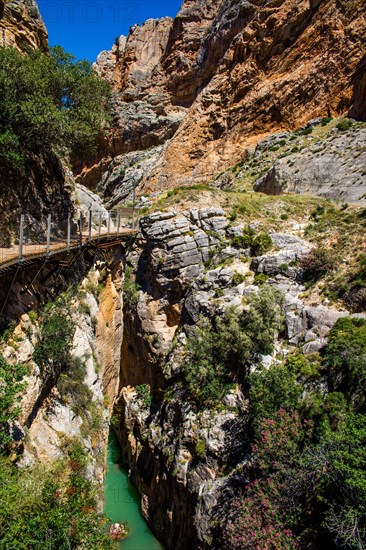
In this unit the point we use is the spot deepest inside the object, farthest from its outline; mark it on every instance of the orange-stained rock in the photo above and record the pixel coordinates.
(224, 74)
(21, 24)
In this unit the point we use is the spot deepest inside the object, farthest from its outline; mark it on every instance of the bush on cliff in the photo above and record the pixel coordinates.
(51, 507)
(49, 101)
(11, 386)
(222, 351)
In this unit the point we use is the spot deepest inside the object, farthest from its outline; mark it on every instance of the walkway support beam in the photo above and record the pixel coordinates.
(48, 244)
(68, 230)
(21, 237)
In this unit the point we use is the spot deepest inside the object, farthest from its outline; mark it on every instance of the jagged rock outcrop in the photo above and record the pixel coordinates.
(21, 25)
(333, 168)
(52, 414)
(178, 456)
(223, 74)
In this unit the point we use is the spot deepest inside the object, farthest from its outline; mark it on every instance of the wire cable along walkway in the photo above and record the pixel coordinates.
(37, 239)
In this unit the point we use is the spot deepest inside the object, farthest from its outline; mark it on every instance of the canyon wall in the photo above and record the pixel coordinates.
(21, 25)
(193, 94)
(67, 397)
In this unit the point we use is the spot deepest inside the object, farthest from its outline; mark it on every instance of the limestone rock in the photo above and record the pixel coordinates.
(21, 25)
(225, 74)
(334, 169)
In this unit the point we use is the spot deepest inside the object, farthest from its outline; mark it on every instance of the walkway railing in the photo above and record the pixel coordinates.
(45, 236)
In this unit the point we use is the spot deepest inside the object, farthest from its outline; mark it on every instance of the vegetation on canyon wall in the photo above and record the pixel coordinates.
(52, 505)
(307, 473)
(49, 101)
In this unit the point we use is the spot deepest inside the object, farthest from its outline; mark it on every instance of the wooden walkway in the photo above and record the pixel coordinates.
(12, 256)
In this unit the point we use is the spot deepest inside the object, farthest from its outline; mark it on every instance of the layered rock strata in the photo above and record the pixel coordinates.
(209, 84)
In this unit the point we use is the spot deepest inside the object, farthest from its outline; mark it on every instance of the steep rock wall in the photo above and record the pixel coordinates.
(21, 25)
(188, 463)
(229, 73)
(76, 404)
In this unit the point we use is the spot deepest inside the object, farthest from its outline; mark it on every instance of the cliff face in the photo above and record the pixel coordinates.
(21, 25)
(188, 462)
(208, 85)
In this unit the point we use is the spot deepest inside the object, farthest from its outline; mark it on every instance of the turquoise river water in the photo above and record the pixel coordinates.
(122, 503)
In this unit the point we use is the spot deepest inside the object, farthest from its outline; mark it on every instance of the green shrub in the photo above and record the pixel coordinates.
(131, 290)
(52, 350)
(48, 101)
(245, 240)
(238, 278)
(72, 388)
(326, 120)
(344, 124)
(272, 389)
(261, 244)
(260, 279)
(11, 386)
(345, 356)
(144, 393)
(317, 263)
(201, 448)
(53, 508)
(221, 351)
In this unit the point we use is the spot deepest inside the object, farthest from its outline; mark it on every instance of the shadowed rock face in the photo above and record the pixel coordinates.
(222, 75)
(21, 24)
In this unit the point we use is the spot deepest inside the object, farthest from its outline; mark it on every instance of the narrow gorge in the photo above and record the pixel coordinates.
(194, 375)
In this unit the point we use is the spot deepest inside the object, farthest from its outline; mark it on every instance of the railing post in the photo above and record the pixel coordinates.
(48, 235)
(21, 236)
(109, 223)
(133, 210)
(90, 223)
(118, 221)
(99, 225)
(81, 228)
(68, 230)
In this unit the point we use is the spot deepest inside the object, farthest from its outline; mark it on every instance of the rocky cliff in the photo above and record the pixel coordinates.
(67, 398)
(21, 25)
(193, 94)
(188, 462)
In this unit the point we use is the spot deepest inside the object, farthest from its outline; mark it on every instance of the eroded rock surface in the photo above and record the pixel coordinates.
(21, 25)
(334, 168)
(221, 75)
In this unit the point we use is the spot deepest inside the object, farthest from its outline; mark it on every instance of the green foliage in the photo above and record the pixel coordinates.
(245, 240)
(260, 279)
(335, 469)
(317, 263)
(221, 351)
(52, 350)
(261, 518)
(48, 101)
(344, 124)
(259, 244)
(272, 389)
(201, 448)
(11, 386)
(238, 278)
(72, 388)
(144, 393)
(53, 508)
(345, 356)
(131, 290)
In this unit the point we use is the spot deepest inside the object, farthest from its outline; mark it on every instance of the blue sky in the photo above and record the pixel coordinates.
(86, 27)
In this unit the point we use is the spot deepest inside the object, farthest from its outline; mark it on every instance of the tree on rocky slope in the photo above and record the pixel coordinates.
(49, 101)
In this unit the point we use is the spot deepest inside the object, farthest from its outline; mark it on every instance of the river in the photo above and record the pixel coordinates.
(122, 503)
